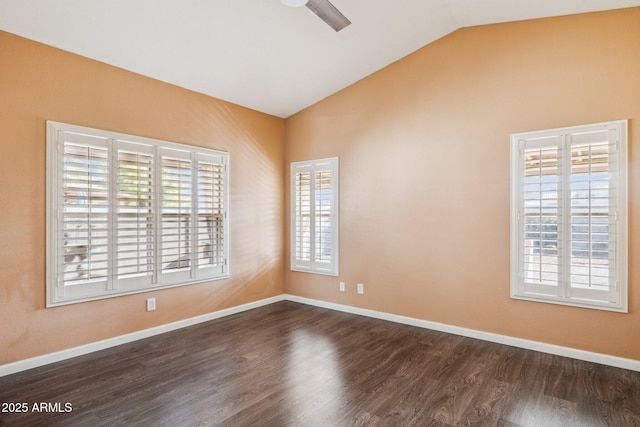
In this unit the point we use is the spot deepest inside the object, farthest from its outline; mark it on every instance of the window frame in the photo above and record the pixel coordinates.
(330, 268)
(618, 291)
(117, 281)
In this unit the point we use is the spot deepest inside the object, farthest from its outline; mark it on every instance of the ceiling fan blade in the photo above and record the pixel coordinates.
(328, 13)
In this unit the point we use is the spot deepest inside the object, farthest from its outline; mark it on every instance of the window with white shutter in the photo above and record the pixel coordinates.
(569, 216)
(314, 216)
(129, 214)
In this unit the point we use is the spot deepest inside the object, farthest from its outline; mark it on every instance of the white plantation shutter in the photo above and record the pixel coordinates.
(594, 213)
(302, 218)
(323, 218)
(314, 218)
(211, 211)
(126, 214)
(542, 239)
(569, 216)
(82, 236)
(135, 223)
(176, 212)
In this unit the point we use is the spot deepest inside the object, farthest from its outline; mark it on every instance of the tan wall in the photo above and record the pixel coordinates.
(424, 179)
(39, 83)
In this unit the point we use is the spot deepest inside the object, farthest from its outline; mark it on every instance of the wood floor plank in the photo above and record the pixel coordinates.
(289, 364)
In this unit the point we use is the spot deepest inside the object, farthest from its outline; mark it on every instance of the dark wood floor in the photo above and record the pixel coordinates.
(294, 365)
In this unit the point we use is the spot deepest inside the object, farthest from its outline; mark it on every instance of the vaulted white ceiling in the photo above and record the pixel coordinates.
(260, 53)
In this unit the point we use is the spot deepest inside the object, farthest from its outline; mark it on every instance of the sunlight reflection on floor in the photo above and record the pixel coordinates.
(313, 366)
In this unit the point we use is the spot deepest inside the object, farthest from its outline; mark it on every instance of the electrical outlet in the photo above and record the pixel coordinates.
(151, 304)
(360, 288)
(342, 286)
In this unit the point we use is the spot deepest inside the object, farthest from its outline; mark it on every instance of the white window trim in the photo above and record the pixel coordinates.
(55, 293)
(311, 266)
(619, 300)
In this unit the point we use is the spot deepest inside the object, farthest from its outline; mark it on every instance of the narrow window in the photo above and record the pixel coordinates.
(569, 216)
(314, 216)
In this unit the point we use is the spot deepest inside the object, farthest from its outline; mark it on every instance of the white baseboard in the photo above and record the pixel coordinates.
(604, 359)
(573, 353)
(34, 362)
